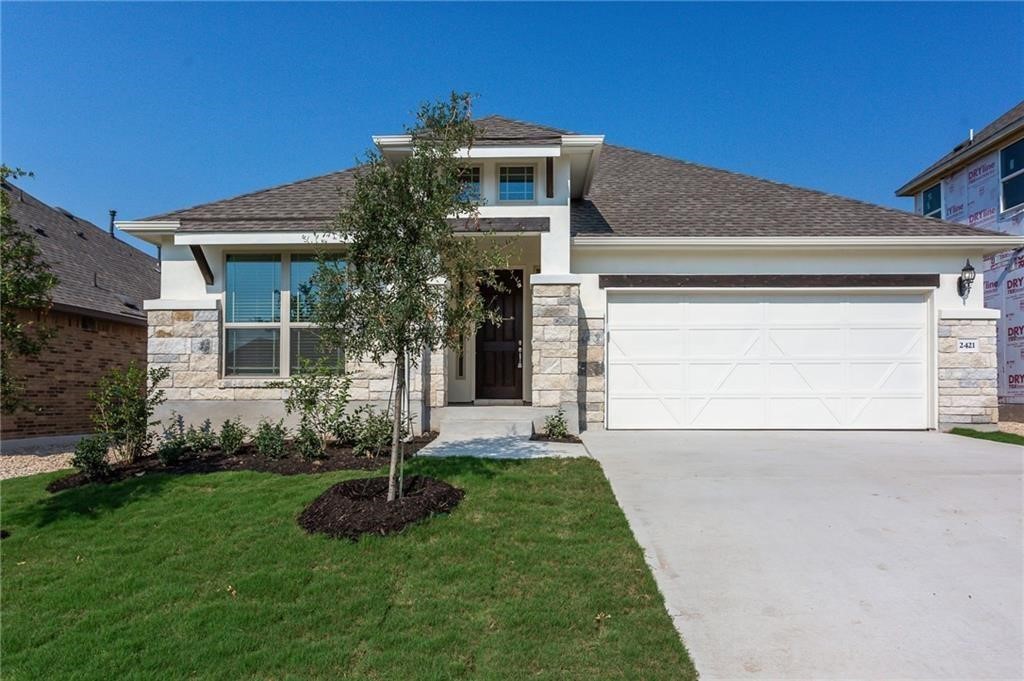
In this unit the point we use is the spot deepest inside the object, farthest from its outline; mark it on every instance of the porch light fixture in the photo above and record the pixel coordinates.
(963, 284)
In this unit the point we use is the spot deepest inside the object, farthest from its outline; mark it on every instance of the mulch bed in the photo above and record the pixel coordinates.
(247, 459)
(4, 534)
(357, 507)
(540, 437)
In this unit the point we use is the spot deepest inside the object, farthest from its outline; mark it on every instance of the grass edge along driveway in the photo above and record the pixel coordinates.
(536, 574)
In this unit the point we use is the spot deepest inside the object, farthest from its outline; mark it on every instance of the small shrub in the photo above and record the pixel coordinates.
(308, 443)
(270, 439)
(91, 457)
(319, 393)
(232, 437)
(125, 401)
(172, 452)
(201, 439)
(555, 425)
(372, 428)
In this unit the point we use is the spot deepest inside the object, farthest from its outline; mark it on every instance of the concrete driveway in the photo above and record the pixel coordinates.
(830, 555)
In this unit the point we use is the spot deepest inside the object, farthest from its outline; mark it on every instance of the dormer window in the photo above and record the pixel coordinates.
(515, 183)
(470, 180)
(931, 202)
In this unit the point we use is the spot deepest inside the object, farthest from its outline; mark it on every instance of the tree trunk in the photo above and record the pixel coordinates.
(396, 426)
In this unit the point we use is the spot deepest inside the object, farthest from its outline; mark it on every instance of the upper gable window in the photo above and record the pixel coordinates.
(931, 202)
(1011, 175)
(470, 180)
(515, 183)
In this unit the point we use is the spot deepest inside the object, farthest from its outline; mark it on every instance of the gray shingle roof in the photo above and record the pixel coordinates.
(634, 193)
(963, 152)
(97, 272)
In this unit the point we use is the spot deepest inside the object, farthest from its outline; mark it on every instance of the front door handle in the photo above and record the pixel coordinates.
(519, 364)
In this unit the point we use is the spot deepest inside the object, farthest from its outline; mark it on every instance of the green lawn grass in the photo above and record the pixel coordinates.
(995, 436)
(209, 576)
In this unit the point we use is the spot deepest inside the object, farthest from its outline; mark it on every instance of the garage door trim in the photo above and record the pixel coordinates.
(768, 281)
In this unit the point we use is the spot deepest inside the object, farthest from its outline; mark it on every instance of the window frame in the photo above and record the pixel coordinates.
(497, 181)
(283, 326)
(479, 169)
(937, 213)
(1002, 180)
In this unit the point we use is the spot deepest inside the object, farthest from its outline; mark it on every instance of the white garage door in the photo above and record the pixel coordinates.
(779, 360)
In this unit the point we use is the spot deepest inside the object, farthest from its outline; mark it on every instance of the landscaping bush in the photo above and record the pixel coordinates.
(201, 439)
(91, 457)
(173, 446)
(308, 443)
(270, 439)
(372, 431)
(555, 425)
(125, 401)
(232, 436)
(320, 395)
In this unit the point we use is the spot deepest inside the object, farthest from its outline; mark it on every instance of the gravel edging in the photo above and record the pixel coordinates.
(22, 465)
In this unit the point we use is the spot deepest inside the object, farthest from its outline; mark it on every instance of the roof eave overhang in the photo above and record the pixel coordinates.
(1007, 135)
(984, 243)
(152, 231)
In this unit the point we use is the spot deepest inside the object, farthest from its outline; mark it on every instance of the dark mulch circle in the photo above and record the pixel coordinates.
(540, 437)
(4, 534)
(357, 507)
(247, 459)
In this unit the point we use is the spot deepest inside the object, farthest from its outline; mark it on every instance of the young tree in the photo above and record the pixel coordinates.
(409, 282)
(25, 284)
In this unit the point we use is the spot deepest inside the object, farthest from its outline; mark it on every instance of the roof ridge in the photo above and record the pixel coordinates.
(785, 185)
(160, 216)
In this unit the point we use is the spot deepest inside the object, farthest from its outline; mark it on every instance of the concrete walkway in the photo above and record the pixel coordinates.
(494, 433)
(830, 555)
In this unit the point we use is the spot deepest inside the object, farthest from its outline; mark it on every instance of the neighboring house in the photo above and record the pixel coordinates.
(656, 294)
(981, 183)
(97, 314)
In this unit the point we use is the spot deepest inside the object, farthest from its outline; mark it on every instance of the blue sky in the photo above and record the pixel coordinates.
(148, 107)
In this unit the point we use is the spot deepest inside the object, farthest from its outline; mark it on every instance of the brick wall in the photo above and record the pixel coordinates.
(967, 380)
(58, 381)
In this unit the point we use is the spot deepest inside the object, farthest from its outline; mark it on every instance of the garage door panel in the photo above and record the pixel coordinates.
(721, 342)
(804, 342)
(806, 377)
(647, 413)
(658, 378)
(698, 360)
(805, 412)
(645, 343)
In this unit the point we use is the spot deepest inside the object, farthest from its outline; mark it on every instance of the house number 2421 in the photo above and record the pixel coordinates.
(967, 345)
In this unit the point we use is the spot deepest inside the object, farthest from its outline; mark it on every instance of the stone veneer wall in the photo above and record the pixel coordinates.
(968, 392)
(188, 343)
(591, 372)
(556, 345)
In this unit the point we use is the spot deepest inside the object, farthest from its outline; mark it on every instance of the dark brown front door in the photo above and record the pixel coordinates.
(499, 347)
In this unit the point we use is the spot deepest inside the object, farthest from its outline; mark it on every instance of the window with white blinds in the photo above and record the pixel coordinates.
(268, 315)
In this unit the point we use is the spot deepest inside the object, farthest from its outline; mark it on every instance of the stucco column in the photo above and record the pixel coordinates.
(968, 381)
(556, 304)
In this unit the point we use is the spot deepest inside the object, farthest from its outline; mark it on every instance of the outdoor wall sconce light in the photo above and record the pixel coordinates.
(963, 284)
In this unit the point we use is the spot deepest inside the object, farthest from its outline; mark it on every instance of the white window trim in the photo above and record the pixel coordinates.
(480, 199)
(1002, 180)
(515, 202)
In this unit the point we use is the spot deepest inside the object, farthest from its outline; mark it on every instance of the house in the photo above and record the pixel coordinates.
(97, 313)
(655, 294)
(981, 183)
